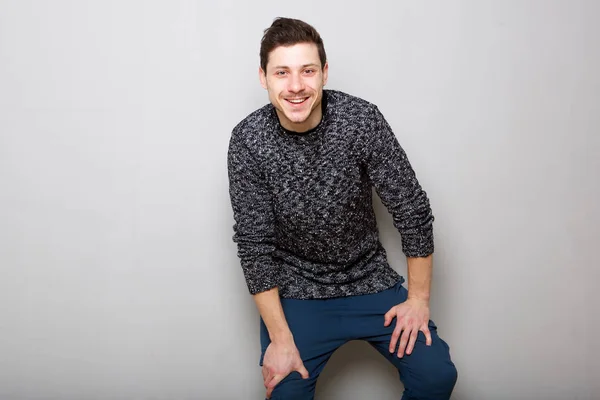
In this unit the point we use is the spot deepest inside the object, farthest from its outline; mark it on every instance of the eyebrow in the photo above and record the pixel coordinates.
(304, 66)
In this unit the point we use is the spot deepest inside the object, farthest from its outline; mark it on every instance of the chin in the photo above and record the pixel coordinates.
(297, 115)
(297, 119)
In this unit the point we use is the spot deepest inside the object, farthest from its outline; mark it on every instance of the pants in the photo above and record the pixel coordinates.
(321, 326)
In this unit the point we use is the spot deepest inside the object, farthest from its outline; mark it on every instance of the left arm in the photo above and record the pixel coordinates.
(419, 278)
(396, 184)
(412, 315)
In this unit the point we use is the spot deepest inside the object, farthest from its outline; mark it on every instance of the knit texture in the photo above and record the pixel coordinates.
(302, 203)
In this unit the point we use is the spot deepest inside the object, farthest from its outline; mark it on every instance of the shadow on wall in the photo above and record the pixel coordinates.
(356, 371)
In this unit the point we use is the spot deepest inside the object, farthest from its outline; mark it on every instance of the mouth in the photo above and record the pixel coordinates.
(297, 101)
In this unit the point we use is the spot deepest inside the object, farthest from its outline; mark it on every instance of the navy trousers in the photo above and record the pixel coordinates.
(322, 326)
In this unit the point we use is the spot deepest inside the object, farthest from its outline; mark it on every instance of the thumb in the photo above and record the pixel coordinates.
(389, 316)
(302, 370)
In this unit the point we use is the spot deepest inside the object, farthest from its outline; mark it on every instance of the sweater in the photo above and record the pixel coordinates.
(303, 202)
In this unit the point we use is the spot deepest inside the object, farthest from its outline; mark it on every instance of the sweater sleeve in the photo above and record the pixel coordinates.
(254, 219)
(396, 184)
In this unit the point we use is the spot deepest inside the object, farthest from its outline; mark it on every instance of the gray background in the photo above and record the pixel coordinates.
(118, 276)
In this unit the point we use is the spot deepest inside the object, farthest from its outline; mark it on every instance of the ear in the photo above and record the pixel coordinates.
(263, 78)
(325, 73)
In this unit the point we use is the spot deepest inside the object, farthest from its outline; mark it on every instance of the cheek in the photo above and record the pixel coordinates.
(275, 88)
(273, 91)
(315, 84)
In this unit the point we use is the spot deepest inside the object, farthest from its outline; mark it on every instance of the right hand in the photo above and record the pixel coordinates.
(279, 361)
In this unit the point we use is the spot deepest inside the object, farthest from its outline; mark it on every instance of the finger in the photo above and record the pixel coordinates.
(389, 316)
(395, 336)
(267, 375)
(269, 390)
(404, 340)
(412, 340)
(274, 381)
(303, 371)
(427, 334)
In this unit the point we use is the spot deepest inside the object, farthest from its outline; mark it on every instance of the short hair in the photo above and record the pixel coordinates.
(288, 32)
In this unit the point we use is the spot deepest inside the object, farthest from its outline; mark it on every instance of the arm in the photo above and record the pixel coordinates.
(254, 227)
(281, 356)
(419, 278)
(269, 307)
(396, 184)
(254, 234)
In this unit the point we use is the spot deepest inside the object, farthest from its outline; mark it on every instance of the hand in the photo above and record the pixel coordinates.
(279, 361)
(411, 316)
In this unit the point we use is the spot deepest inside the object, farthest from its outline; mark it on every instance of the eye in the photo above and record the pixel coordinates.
(309, 71)
(280, 73)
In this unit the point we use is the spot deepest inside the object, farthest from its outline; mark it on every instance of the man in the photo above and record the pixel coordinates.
(301, 171)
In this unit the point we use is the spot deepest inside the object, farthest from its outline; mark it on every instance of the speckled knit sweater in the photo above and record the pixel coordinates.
(302, 203)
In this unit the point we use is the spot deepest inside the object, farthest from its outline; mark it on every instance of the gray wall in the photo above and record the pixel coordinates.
(119, 279)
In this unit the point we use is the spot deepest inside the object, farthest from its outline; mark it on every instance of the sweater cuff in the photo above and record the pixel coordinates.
(261, 276)
(418, 245)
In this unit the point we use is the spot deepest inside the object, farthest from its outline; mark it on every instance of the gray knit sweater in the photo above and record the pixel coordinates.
(302, 203)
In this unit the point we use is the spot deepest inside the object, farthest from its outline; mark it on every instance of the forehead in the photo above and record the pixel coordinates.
(294, 56)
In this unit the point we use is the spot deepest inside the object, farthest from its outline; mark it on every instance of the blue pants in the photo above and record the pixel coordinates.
(321, 326)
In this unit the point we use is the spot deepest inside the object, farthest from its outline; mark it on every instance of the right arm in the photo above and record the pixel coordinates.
(281, 356)
(269, 307)
(254, 233)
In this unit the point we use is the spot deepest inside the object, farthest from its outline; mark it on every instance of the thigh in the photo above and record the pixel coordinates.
(428, 372)
(316, 335)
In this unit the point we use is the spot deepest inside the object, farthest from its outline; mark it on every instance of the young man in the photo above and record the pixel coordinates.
(301, 171)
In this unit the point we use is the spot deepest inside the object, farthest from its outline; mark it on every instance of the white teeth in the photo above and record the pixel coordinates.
(296, 101)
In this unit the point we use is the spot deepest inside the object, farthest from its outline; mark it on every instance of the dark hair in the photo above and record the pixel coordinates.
(288, 32)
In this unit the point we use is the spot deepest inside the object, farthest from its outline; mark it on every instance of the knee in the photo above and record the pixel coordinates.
(445, 377)
(439, 382)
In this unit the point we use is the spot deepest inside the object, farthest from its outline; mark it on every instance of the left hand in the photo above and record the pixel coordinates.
(411, 316)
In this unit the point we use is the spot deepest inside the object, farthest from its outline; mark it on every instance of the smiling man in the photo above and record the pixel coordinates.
(296, 97)
(301, 173)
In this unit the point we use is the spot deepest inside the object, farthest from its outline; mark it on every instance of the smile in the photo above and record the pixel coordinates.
(297, 101)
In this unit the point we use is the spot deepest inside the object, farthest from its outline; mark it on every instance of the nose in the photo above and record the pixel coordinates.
(296, 84)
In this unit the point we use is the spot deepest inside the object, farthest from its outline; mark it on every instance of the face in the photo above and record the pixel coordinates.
(294, 80)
